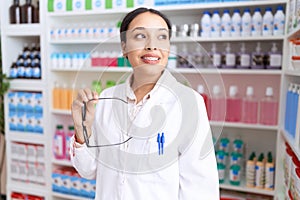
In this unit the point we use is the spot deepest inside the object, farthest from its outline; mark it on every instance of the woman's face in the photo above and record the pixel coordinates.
(147, 42)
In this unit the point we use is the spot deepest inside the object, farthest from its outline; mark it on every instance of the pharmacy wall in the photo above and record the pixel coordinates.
(241, 56)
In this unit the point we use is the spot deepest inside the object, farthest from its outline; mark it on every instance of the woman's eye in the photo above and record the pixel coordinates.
(162, 37)
(140, 36)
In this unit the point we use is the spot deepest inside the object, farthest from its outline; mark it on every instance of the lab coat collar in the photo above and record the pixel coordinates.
(165, 79)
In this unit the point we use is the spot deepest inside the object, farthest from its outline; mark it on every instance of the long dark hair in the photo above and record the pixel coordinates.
(131, 15)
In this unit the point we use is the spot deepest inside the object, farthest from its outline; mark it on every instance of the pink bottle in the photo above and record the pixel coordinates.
(234, 105)
(68, 136)
(268, 108)
(218, 105)
(200, 90)
(250, 107)
(59, 144)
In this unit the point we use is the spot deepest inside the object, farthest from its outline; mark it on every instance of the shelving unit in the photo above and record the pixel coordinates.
(13, 36)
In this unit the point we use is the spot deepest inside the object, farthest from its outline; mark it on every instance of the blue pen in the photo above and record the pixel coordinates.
(158, 142)
(162, 141)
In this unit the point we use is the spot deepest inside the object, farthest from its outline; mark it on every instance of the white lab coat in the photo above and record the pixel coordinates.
(186, 170)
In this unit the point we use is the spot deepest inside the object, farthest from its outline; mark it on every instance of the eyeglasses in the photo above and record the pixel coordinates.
(86, 139)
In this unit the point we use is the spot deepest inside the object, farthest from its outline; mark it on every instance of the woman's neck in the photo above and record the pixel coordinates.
(142, 85)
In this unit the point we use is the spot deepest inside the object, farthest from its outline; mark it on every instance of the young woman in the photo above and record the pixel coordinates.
(154, 139)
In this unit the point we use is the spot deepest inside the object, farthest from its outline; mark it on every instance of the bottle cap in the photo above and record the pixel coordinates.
(233, 90)
(250, 91)
(200, 89)
(269, 91)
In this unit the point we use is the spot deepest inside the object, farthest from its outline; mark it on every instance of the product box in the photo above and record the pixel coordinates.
(12, 101)
(31, 176)
(31, 153)
(29, 122)
(14, 150)
(40, 175)
(38, 103)
(38, 128)
(23, 171)
(22, 152)
(75, 184)
(66, 181)
(21, 102)
(21, 120)
(14, 170)
(57, 181)
(12, 121)
(40, 153)
(28, 104)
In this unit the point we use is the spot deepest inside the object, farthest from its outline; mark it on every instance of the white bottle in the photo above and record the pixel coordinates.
(205, 24)
(246, 23)
(275, 58)
(243, 60)
(268, 21)
(119, 4)
(229, 58)
(216, 24)
(172, 61)
(78, 5)
(215, 57)
(226, 24)
(279, 21)
(256, 28)
(98, 5)
(59, 6)
(236, 21)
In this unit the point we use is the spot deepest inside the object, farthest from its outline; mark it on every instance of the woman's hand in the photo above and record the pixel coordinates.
(84, 95)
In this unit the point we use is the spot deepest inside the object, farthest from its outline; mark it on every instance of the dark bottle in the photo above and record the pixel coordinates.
(13, 70)
(36, 69)
(15, 13)
(26, 51)
(28, 68)
(27, 12)
(36, 15)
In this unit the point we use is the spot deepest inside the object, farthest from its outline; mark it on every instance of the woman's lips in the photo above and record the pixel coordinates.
(150, 59)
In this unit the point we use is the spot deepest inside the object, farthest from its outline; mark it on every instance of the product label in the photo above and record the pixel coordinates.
(275, 60)
(58, 145)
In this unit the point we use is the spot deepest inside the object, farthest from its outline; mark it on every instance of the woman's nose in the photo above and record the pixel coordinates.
(151, 45)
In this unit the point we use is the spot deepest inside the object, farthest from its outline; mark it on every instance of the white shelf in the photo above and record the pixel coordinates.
(244, 126)
(61, 112)
(95, 69)
(28, 188)
(225, 39)
(243, 188)
(34, 138)
(62, 162)
(171, 8)
(23, 30)
(66, 196)
(87, 41)
(292, 72)
(291, 142)
(27, 85)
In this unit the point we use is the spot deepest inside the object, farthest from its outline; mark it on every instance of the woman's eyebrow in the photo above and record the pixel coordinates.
(143, 28)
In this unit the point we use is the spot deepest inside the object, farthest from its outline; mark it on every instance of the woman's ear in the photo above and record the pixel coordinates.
(123, 45)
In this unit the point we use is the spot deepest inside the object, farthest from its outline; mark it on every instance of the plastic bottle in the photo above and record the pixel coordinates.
(78, 5)
(268, 108)
(59, 147)
(36, 15)
(235, 174)
(197, 60)
(20, 66)
(216, 24)
(257, 58)
(268, 21)
(206, 24)
(250, 107)
(13, 71)
(243, 58)
(183, 58)
(218, 105)
(221, 171)
(260, 172)
(65, 96)
(230, 58)
(200, 90)
(215, 57)
(172, 61)
(275, 58)
(226, 24)
(98, 4)
(250, 170)
(56, 96)
(238, 146)
(269, 172)
(256, 27)
(246, 23)
(15, 12)
(27, 12)
(294, 110)
(288, 111)
(236, 23)
(234, 105)
(279, 22)
(68, 136)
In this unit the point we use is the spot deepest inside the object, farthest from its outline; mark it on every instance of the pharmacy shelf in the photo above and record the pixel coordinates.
(66, 196)
(27, 85)
(292, 72)
(243, 188)
(171, 9)
(28, 188)
(291, 141)
(27, 137)
(114, 40)
(62, 162)
(21, 30)
(225, 39)
(61, 112)
(243, 125)
(177, 70)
